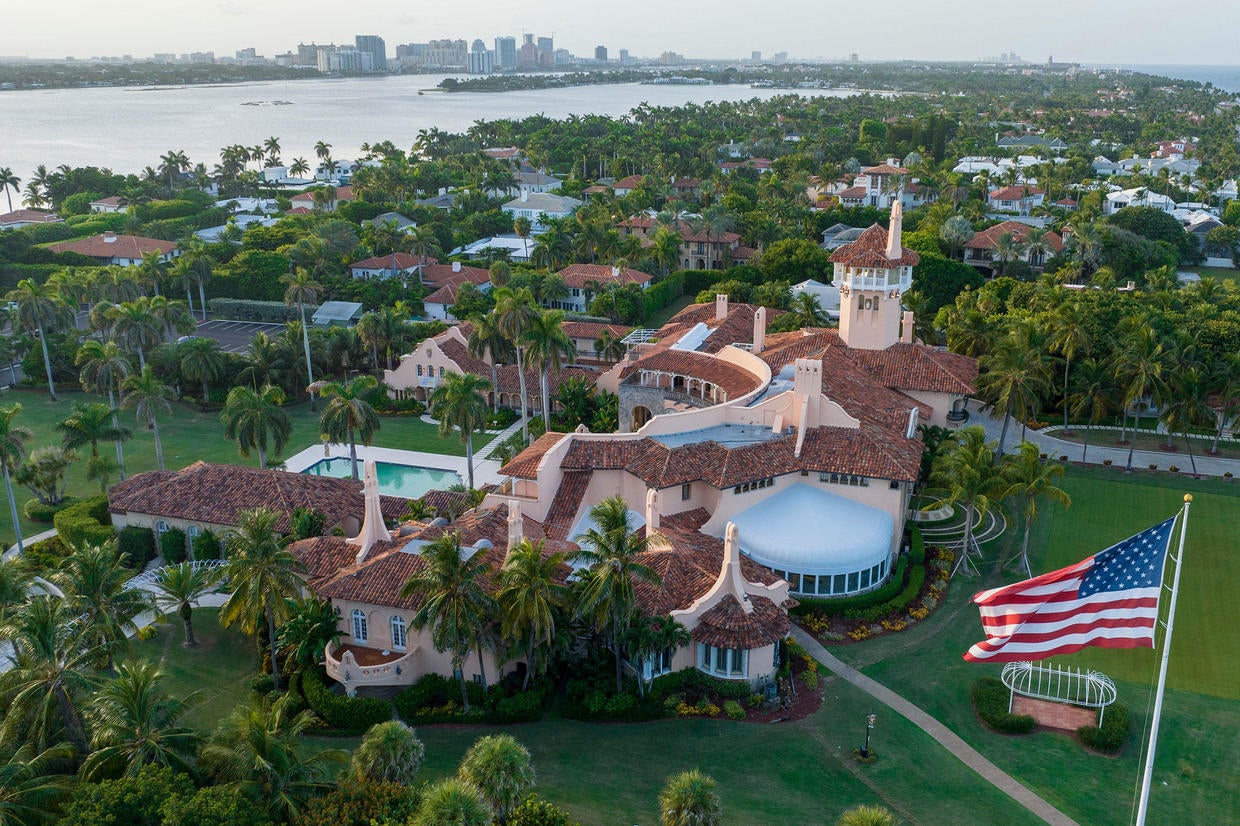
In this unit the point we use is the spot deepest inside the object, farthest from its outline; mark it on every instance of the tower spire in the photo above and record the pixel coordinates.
(893, 230)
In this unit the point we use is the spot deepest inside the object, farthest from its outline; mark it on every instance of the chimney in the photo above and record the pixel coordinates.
(516, 525)
(456, 266)
(652, 511)
(759, 330)
(906, 327)
(109, 238)
(721, 306)
(731, 572)
(373, 529)
(615, 271)
(893, 230)
(443, 190)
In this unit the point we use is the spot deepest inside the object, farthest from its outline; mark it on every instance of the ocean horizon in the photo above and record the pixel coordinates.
(1223, 77)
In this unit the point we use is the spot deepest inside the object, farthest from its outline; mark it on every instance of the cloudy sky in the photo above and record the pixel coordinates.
(1089, 31)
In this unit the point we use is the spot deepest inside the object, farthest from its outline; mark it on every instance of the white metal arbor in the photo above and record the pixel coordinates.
(1059, 684)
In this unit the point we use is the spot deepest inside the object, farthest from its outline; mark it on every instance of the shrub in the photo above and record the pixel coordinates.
(916, 546)
(525, 707)
(137, 545)
(990, 701)
(45, 556)
(437, 699)
(307, 522)
(1227, 474)
(733, 710)
(345, 714)
(83, 523)
(1106, 462)
(534, 811)
(37, 511)
(172, 546)
(262, 683)
(1174, 469)
(362, 803)
(1111, 736)
(207, 546)
(694, 683)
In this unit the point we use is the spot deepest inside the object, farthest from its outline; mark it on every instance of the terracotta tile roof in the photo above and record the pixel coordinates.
(631, 182)
(459, 353)
(1015, 193)
(726, 625)
(299, 210)
(510, 380)
(740, 253)
(918, 367)
(592, 329)
(870, 250)
(120, 246)
(399, 261)
(884, 169)
(735, 328)
(111, 200)
(566, 503)
(687, 183)
(215, 494)
(436, 275)
(735, 381)
(857, 192)
(525, 464)
(447, 503)
(343, 193)
(582, 275)
(29, 216)
(985, 240)
(638, 222)
(687, 567)
(685, 520)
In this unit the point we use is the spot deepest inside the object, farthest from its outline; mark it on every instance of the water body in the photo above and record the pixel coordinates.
(125, 129)
(1224, 77)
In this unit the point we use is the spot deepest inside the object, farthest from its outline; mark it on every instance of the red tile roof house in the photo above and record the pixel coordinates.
(438, 303)
(584, 281)
(344, 194)
(760, 164)
(1020, 199)
(980, 250)
(698, 250)
(118, 250)
(626, 186)
(19, 218)
(400, 264)
(583, 334)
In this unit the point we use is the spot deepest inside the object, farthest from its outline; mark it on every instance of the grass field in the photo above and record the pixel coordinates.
(189, 435)
(659, 318)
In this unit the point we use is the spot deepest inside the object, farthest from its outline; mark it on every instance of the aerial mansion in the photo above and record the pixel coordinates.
(760, 467)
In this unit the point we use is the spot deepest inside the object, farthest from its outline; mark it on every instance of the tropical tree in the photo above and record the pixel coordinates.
(548, 349)
(301, 289)
(134, 723)
(178, 587)
(13, 438)
(956, 231)
(1014, 376)
(965, 471)
(1093, 394)
(516, 313)
(255, 420)
(453, 601)
(9, 181)
(39, 310)
(89, 424)
(500, 768)
(610, 548)
(1138, 369)
(1187, 406)
(530, 591)
(452, 802)
(298, 167)
(1068, 335)
(389, 753)
(866, 815)
(651, 637)
(94, 581)
(103, 369)
(487, 341)
(459, 403)
(148, 396)
(664, 249)
(1026, 477)
(263, 575)
(135, 326)
(1224, 380)
(690, 799)
(522, 227)
(348, 417)
(311, 626)
(32, 784)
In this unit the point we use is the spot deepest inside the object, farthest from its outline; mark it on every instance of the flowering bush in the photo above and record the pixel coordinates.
(920, 613)
(894, 625)
(944, 555)
(733, 710)
(755, 700)
(810, 678)
(815, 623)
(859, 633)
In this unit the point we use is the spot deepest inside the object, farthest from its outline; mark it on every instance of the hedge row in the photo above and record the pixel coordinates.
(689, 680)
(276, 312)
(836, 607)
(1110, 738)
(898, 603)
(437, 699)
(45, 556)
(85, 523)
(137, 544)
(916, 546)
(339, 711)
(37, 511)
(990, 701)
(665, 292)
(172, 546)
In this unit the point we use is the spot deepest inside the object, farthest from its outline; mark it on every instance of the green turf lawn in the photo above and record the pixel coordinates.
(660, 317)
(1199, 742)
(219, 669)
(189, 435)
(1222, 273)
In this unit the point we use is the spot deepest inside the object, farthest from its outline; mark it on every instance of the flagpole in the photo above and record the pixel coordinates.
(1162, 670)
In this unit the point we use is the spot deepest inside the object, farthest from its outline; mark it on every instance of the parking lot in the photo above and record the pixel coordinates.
(234, 336)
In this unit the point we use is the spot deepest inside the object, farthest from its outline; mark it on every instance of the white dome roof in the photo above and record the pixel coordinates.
(809, 531)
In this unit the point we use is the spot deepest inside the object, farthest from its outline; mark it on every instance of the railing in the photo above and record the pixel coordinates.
(345, 669)
(148, 578)
(1059, 684)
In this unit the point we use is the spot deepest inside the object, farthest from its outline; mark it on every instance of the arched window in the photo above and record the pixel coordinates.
(419, 370)
(161, 526)
(359, 625)
(399, 638)
(441, 372)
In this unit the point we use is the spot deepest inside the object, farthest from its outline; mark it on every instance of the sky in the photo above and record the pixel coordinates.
(1086, 31)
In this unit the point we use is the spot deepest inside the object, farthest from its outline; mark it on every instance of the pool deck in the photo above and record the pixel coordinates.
(486, 471)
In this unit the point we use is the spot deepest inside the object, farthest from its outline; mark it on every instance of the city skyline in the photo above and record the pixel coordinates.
(965, 32)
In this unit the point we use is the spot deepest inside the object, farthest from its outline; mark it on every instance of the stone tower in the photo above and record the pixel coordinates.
(872, 274)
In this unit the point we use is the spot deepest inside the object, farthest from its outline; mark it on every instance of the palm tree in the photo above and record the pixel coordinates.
(611, 549)
(298, 167)
(1027, 477)
(389, 753)
(1187, 406)
(1093, 393)
(255, 420)
(808, 310)
(515, 312)
(1138, 368)
(258, 751)
(194, 267)
(1224, 382)
(94, 581)
(1014, 376)
(529, 593)
(1006, 250)
(452, 601)
(690, 799)
(452, 802)
(865, 815)
(548, 349)
(487, 341)
(348, 418)
(324, 152)
(178, 587)
(651, 637)
(301, 289)
(32, 784)
(956, 231)
(664, 249)
(965, 470)
(39, 309)
(89, 424)
(148, 396)
(15, 578)
(608, 348)
(13, 438)
(263, 575)
(133, 723)
(9, 181)
(500, 768)
(135, 326)
(266, 362)
(103, 370)
(522, 227)
(1068, 336)
(459, 403)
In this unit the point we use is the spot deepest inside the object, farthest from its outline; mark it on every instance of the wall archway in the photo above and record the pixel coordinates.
(641, 415)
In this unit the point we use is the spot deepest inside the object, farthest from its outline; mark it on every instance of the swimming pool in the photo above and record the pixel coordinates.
(407, 481)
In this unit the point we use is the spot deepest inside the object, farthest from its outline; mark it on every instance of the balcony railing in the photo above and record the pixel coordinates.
(345, 669)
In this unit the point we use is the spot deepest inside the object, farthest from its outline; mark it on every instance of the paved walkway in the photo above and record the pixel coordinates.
(504, 435)
(945, 736)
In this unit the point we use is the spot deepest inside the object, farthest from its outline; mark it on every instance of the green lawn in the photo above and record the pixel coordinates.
(189, 435)
(660, 317)
(1221, 273)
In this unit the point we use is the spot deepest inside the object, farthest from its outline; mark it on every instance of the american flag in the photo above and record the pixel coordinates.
(1108, 600)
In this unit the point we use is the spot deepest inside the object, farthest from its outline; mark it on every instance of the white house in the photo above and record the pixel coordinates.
(584, 281)
(112, 203)
(19, 218)
(1019, 199)
(518, 248)
(828, 296)
(241, 221)
(1136, 197)
(538, 206)
(392, 265)
(119, 250)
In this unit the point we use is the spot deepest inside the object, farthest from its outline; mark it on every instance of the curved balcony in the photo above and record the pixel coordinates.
(356, 665)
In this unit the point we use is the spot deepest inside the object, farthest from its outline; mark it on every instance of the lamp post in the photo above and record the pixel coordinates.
(869, 726)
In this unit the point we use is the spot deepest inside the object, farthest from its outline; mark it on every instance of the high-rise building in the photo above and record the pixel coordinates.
(756, 57)
(600, 53)
(447, 53)
(505, 53)
(625, 60)
(323, 58)
(546, 51)
(374, 46)
(781, 57)
(528, 54)
(480, 60)
(246, 54)
(307, 55)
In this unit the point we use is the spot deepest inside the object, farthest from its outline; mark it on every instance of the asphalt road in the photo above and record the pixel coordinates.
(234, 336)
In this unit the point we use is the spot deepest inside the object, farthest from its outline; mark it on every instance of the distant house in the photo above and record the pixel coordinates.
(584, 281)
(436, 275)
(1174, 149)
(445, 200)
(699, 250)
(878, 186)
(761, 165)
(980, 250)
(19, 218)
(393, 265)
(110, 204)
(537, 181)
(513, 246)
(343, 195)
(837, 235)
(1069, 204)
(402, 223)
(583, 334)
(438, 304)
(445, 281)
(248, 206)
(626, 186)
(539, 206)
(1105, 167)
(1020, 199)
(242, 221)
(687, 188)
(1136, 197)
(1031, 142)
(118, 250)
(503, 153)
(828, 295)
(337, 314)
